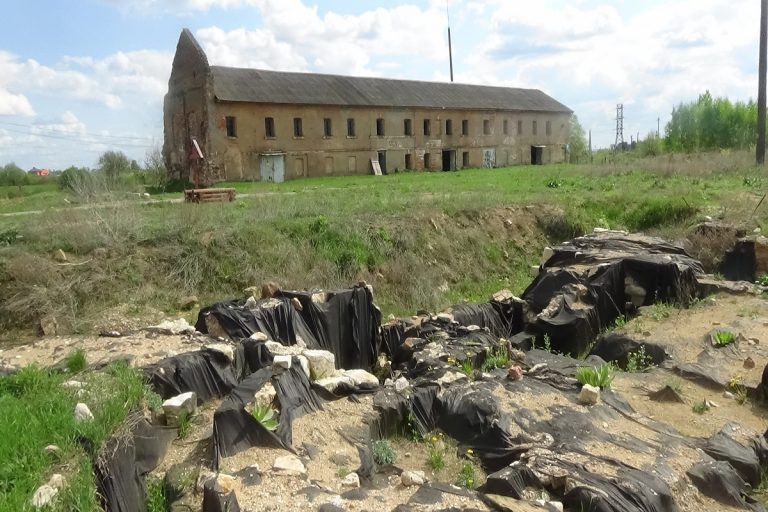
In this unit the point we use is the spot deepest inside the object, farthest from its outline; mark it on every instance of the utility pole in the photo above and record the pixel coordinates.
(450, 48)
(658, 127)
(762, 82)
(620, 124)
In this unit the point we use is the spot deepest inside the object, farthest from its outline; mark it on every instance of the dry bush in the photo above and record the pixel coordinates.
(708, 243)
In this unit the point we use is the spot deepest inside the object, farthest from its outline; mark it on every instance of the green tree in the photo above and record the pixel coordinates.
(112, 164)
(578, 151)
(13, 175)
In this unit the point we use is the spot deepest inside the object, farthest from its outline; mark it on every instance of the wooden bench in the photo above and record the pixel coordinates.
(210, 195)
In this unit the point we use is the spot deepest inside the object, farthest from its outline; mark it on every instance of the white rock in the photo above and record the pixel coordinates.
(57, 481)
(445, 317)
(337, 501)
(44, 496)
(450, 377)
(52, 449)
(282, 362)
(304, 362)
(172, 327)
(251, 302)
(388, 383)
(289, 465)
(222, 348)
(259, 336)
(409, 478)
(266, 395)
(401, 384)
(175, 407)
(73, 384)
(322, 363)
(351, 480)
(82, 413)
(473, 328)
(278, 349)
(589, 395)
(728, 395)
(333, 383)
(362, 377)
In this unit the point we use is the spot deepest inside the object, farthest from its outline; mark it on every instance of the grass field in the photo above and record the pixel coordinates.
(423, 240)
(38, 411)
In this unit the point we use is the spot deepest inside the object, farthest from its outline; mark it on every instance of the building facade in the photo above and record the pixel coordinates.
(246, 124)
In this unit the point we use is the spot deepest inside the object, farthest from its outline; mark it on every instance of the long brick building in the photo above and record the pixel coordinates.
(226, 123)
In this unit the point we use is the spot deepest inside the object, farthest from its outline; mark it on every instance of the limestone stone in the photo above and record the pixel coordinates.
(411, 478)
(362, 377)
(282, 362)
(174, 408)
(322, 363)
(289, 465)
(222, 348)
(589, 395)
(352, 480)
(82, 413)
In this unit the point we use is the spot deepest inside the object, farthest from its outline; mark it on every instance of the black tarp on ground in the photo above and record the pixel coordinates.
(345, 323)
(589, 282)
(124, 461)
(501, 318)
(740, 263)
(617, 347)
(235, 429)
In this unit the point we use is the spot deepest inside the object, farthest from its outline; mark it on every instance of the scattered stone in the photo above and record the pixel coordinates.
(259, 336)
(445, 317)
(711, 404)
(331, 384)
(728, 395)
(60, 256)
(322, 364)
(340, 459)
(503, 295)
(401, 384)
(304, 363)
(289, 465)
(73, 384)
(251, 303)
(352, 480)
(517, 355)
(449, 377)
(225, 484)
(749, 363)
(362, 378)
(82, 413)
(514, 373)
(282, 362)
(411, 478)
(226, 350)
(174, 408)
(172, 327)
(189, 302)
(48, 326)
(473, 328)
(589, 395)
(111, 334)
(278, 349)
(269, 290)
(52, 449)
(44, 496)
(266, 395)
(297, 304)
(537, 368)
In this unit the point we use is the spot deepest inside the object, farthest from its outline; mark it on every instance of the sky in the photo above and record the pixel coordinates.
(81, 77)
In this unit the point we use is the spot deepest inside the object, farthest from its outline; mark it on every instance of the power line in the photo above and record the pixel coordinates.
(77, 138)
(54, 130)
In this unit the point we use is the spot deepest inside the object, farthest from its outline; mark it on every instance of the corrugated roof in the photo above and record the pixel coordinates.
(259, 86)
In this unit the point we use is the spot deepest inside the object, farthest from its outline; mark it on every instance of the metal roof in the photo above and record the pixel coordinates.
(259, 86)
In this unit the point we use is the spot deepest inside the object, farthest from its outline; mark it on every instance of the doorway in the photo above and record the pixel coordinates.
(537, 155)
(449, 160)
(272, 168)
(383, 161)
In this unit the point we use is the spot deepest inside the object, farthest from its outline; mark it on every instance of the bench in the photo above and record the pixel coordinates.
(209, 195)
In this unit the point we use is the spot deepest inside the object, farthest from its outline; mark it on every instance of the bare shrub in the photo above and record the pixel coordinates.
(708, 243)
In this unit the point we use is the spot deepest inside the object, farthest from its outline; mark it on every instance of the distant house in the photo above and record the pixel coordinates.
(39, 172)
(226, 123)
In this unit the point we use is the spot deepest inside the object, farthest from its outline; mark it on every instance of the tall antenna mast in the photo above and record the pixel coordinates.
(450, 48)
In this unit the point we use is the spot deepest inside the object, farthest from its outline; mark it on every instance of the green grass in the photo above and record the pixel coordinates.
(467, 476)
(639, 361)
(265, 415)
(497, 357)
(407, 234)
(724, 338)
(435, 457)
(700, 407)
(383, 452)
(38, 411)
(156, 495)
(598, 377)
(76, 362)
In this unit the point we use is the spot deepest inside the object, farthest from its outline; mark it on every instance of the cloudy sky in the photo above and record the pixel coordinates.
(84, 76)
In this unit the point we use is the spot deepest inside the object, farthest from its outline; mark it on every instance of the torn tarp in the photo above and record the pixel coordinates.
(345, 323)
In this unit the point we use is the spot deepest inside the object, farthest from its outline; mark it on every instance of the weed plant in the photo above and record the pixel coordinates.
(724, 338)
(383, 452)
(265, 415)
(598, 377)
(639, 361)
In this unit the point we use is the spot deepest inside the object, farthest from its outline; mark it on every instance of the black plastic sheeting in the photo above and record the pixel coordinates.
(617, 347)
(234, 428)
(740, 263)
(121, 467)
(213, 501)
(588, 283)
(345, 323)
